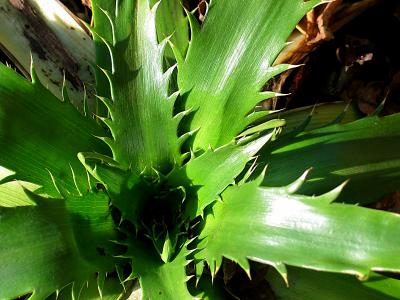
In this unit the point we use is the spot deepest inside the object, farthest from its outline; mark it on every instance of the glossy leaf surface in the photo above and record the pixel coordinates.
(132, 61)
(171, 21)
(365, 151)
(286, 228)
(317, 116)
(40, 135)
(211, 172)
(229, 59)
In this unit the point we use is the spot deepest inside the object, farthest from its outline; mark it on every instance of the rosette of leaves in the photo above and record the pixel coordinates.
(172, 178)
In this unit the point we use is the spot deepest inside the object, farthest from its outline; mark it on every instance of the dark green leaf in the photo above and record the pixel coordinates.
(366, 151)
(40, 135)
(317, 115)
(54, 243)
(313, 285)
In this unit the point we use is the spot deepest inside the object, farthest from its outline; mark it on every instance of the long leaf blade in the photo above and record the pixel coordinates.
(312, 285)
(52, 244)
(40, 136)
(287, 229)
(139, 96)
(365, 151)
(229, 60)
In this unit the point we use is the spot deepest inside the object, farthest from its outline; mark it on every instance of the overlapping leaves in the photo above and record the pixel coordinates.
(366, 152)
(40, 135)
(228, 61)
(54, 243)
(132, 62)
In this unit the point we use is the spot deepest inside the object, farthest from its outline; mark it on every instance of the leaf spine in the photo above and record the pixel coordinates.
(106, 13)
(297, 184)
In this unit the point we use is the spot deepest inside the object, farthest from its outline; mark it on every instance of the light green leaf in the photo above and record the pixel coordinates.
(40, 135)
(313, 285)
(54, 243)
(229, 59)
(271, 124)
(12, 193)
(171, 21)
(210, 173)
(273, 226)
(142, 122)
(159, 280)
(365, 151)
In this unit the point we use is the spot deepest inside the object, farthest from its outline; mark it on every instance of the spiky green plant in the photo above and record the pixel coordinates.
(172, 179)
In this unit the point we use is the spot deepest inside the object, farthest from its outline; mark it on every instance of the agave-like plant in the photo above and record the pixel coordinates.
(169, 177)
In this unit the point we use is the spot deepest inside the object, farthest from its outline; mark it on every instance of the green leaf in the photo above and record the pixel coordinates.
(171, 21)
(229, 60)
(128, 192)
(40, 135)
(365, 151)
(159, 280)
(276, 227)
(207, 289)
(54, 243)
(12, 193)
(316, 116)
(312, 285)
(111, 290)
(271, 124)
(211, 172)
(142, 122)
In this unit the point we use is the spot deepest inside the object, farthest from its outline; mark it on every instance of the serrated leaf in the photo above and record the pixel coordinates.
(138, 86)
(229, 59)
(54, 243)
(40, 135)
(159, 280)
(365, 151)
(270, 226)
(313, 285)
(171, 21)
(127, 191)
(210, 173)
(112, 290)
